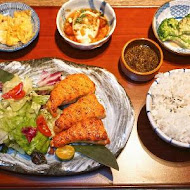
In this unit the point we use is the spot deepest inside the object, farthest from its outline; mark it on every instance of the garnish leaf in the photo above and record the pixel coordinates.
(98, 153)
(80, 18)
(5, 76)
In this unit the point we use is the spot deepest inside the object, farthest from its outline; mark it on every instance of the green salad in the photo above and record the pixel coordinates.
(20, 108)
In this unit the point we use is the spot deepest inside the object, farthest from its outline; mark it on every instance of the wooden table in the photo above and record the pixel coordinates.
(146, 160)
(119, 3)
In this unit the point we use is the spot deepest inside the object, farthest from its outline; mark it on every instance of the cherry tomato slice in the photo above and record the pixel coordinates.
(16, 93)
(42, 126)
(20, 95)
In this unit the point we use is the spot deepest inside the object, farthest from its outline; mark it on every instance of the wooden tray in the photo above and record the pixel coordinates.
(146, 161)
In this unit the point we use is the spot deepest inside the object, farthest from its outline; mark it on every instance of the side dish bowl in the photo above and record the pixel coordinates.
(8, 9)
(141, 64)
(176, 9)
(167, 107)
(98, 5)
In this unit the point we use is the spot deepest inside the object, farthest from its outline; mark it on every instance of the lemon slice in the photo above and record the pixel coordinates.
(65, 153)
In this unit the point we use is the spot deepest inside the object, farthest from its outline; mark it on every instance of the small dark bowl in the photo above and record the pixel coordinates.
(136, 75)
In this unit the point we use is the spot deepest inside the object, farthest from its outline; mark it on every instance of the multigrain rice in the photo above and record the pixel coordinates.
(171, 105)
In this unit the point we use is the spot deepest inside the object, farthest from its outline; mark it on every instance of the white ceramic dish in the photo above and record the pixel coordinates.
(174, 9)
(9, 9)
(155, 127)
(99, 5)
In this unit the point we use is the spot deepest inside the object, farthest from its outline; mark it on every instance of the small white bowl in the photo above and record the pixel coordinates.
(99, 5)
(149, 100)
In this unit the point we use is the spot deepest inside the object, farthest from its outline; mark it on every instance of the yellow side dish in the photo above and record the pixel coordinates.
(18, 28)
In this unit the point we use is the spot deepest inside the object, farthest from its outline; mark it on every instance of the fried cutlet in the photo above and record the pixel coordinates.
(89, 130)
(69, 90)
(86, 107)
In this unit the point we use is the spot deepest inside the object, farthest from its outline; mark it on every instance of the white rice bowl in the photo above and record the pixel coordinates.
(168, 107)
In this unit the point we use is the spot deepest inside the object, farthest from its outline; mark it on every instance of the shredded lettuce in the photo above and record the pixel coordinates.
(40, 99)
(18, 114)
(3, 136)
(27, 84)
(11, 83)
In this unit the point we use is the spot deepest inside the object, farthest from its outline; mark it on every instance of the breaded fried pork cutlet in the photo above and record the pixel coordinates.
(89, 130)
(86, 107)
(69, 90)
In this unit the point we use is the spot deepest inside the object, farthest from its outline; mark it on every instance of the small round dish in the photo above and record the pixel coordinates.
(153, 99)
(137, 75)
(99, 5)
(174, 9)
(8, 9)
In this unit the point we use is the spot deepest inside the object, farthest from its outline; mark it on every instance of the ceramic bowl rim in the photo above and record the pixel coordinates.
(137, 72)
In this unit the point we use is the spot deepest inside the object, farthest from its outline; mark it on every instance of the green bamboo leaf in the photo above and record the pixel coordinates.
(98, 153)
(5, 76)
